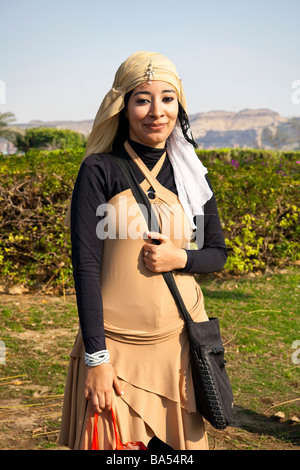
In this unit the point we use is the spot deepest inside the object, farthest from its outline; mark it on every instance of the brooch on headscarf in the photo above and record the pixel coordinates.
(150, 75)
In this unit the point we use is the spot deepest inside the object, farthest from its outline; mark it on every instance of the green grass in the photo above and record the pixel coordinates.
(38, 335)
(259, 319)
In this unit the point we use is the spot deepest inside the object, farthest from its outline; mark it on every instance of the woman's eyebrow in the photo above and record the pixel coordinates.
(142, 93)
(149, 93)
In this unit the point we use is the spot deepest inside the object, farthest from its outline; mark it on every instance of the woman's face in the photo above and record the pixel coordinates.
(152, 112)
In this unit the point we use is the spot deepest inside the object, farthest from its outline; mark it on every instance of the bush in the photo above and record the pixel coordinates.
(34, 193)
(48, 138)
(256, 191)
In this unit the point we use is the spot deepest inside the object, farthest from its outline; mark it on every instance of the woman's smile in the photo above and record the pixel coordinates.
(156, 126)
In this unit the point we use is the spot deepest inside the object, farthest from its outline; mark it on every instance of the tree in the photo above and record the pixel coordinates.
(295, 125)
(286, 134)
(48, 138)
(6, 131)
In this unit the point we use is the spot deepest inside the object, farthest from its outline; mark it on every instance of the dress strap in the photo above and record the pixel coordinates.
(149, 175)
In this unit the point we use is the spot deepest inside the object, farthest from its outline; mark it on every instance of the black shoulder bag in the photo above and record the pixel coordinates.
(212, 387)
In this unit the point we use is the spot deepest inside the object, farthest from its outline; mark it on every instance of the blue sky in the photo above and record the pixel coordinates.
(58, 58)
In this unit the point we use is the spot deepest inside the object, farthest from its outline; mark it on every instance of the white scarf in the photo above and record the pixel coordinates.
(189, 173)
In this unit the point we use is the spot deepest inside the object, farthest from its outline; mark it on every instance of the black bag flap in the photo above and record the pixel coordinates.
(205, 333)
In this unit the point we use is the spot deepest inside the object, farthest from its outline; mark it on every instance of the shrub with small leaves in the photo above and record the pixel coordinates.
(257, 194)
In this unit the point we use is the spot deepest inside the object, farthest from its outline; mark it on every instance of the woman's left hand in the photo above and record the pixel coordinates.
(163, 257)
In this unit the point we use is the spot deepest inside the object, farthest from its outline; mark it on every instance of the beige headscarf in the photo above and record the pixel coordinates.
(139, 68)
(130, 74)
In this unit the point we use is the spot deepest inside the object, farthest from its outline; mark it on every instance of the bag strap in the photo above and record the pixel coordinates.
(95, 441)
(153, 224)
(119, 445)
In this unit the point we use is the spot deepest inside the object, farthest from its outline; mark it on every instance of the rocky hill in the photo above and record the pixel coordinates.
(255, 128)
(84, 127)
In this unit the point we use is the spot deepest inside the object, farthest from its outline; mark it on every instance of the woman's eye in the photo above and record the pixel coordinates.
(165, 99)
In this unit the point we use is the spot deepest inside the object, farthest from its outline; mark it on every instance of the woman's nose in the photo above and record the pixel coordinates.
(156, 109)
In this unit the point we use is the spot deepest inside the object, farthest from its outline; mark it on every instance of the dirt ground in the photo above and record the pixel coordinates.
(29, 429)
(32, 423)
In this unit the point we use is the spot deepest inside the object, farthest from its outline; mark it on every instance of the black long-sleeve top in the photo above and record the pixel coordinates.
(99, 179)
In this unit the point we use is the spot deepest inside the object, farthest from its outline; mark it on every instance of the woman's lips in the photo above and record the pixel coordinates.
(156, 127)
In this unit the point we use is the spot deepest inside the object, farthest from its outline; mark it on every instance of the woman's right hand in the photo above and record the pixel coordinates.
(99, 385)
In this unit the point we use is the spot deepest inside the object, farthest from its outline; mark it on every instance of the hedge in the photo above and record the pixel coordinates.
(258, 200)
(48, 138)
(257, 193)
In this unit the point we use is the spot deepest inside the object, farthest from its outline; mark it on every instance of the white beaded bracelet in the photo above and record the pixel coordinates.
(97, 358)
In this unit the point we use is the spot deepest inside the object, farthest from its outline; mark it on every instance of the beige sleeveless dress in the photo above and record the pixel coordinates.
(145, 336)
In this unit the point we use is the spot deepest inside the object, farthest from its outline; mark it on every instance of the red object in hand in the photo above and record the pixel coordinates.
(119, 446)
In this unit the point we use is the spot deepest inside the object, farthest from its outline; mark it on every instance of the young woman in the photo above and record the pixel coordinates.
(131, 352)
